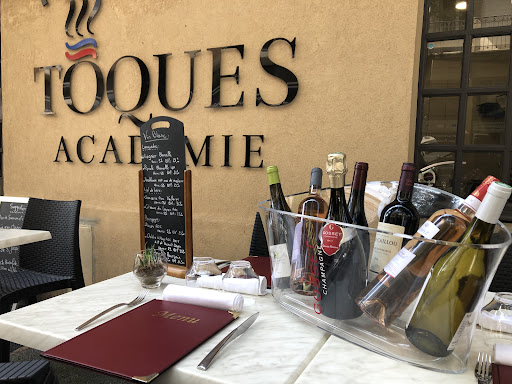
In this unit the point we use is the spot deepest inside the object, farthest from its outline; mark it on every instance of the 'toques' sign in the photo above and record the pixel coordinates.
(87, 48)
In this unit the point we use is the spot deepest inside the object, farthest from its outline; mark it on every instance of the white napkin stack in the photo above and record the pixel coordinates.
(247, 286)
(204, 297)
(503, 354)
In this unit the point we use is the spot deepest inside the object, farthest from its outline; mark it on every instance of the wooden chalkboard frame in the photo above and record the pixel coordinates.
(173, 270)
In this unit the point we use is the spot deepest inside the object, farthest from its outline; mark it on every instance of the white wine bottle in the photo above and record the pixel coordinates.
(400, 282)
(449, 298)
(280, 232)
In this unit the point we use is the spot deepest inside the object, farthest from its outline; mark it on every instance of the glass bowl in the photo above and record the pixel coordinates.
(391, 341)
(150, 267)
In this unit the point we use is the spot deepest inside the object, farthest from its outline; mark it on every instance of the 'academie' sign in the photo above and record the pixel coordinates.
(267, 64)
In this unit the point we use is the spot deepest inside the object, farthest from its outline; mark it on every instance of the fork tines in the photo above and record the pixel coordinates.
(483, 368)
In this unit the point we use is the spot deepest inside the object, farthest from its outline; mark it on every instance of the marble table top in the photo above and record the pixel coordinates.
(14, 237)
(349, 363)
(278, 348)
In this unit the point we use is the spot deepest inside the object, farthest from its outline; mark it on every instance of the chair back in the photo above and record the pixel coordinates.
(61, 254)
(258, 240)
(502, 281)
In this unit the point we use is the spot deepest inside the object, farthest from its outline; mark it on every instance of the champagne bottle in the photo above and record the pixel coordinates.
(356, 205)
(280, 232)
(401, 280)
(341, 260)
(449, 298)
(305, 241)
(399, 216)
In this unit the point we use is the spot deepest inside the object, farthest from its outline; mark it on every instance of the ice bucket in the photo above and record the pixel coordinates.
(390, 341)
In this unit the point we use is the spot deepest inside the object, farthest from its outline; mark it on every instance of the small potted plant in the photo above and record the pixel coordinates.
(150, 267)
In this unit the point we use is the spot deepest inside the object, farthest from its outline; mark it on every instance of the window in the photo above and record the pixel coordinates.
(464, 120)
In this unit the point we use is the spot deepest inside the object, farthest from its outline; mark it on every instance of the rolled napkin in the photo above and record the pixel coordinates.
(247, 286)
(503, 354)
(204, 297)
(212, 282)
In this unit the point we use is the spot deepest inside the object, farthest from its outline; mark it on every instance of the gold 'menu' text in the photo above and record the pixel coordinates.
(175, 316)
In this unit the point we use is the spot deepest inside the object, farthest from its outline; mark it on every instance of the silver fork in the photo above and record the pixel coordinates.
(483, 370)
(135, 301)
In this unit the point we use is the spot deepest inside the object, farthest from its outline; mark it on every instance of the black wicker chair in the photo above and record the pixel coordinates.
(502, 281)
(48, 265)
(258, 240)
(29, 372)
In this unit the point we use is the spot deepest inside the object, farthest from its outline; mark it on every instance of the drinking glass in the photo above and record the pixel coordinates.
(497, 317)
(201, 266)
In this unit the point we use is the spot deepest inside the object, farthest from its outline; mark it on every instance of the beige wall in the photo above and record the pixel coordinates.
(356, 62)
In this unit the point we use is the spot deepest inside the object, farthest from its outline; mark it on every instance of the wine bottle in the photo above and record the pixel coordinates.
(305, 241)
(449, 298)
(400, 216)
(401, 280)
(280, 232)
(341, 260)
(356, 205)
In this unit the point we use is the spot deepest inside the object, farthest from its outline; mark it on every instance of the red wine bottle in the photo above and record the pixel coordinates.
(280, 232)
(399, 216)
(356, 205)
(305, 242)
(341, 260)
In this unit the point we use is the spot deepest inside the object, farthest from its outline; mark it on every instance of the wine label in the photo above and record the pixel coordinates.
(386, 246)
(280, 261)
(467, 320)
(332, 237)
(399, 262)
(428, 230)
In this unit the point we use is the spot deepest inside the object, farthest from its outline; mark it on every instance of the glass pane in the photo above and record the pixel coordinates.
(444, 64)
(440, 120)
(489, 61)
(485, 119)
(437, 169)
(476, 166)
(446, 15)
(492, 13)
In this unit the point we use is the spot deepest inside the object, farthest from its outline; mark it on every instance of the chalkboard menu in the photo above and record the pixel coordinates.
(163, 169)
(12, 214)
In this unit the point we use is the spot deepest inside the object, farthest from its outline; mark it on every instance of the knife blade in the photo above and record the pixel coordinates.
(205, 363)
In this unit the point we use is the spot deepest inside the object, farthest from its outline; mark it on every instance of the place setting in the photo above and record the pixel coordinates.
(178, 312)
(495, 319)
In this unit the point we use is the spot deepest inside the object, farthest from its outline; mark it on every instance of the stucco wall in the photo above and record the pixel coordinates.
(356, 63)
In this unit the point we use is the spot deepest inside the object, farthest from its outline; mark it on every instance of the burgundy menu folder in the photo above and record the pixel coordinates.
(501, 374)
(142, 343)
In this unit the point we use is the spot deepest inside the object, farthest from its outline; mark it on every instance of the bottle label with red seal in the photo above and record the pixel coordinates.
(332, 237)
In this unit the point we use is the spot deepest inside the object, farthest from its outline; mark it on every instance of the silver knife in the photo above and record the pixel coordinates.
(205, 363)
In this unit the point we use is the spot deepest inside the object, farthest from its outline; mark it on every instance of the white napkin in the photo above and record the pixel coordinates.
(503, 354)
(247, 286)
(213, 282)
(204, 297)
